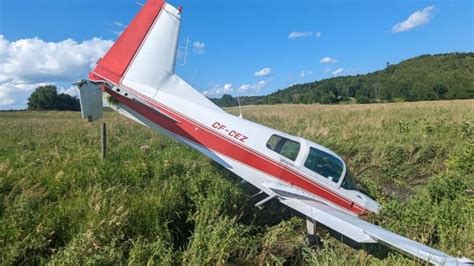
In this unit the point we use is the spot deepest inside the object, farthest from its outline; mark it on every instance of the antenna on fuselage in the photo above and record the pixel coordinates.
(185, 52)
(192, 77)
(240, 108)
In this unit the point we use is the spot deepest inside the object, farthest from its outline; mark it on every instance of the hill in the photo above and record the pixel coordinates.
(426, 77)
(154, 201)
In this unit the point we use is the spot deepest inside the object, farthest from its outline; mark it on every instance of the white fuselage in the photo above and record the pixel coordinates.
(240, 146)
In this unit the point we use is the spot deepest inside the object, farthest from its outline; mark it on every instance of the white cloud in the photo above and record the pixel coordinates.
(15, 95)
(34, 60)
(416, 19)
(28, 63)
(305, 73)
(119, 24)
(72, 91)
(219, 90)
(255, 87)
(263, 72)
(337, 71)
(327, 60)
(299, 34)
(199, 47)
(227, 88)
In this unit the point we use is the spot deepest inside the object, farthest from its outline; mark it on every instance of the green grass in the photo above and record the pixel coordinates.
(156, 201)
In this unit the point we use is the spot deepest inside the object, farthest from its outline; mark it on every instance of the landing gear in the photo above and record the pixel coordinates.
(313, 240)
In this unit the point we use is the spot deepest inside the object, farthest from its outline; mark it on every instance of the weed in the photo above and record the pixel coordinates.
(154, 201)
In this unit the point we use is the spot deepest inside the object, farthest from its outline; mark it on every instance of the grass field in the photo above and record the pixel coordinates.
(158, 202)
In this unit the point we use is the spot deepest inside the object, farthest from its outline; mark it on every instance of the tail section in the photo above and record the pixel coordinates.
(143, 58)
(146, 50)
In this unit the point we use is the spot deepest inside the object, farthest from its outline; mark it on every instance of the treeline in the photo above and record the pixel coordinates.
(48, 98)
(426, 77)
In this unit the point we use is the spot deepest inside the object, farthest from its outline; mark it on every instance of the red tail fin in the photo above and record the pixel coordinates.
(113, 65)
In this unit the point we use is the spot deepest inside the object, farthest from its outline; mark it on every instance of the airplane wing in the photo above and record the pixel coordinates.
(359, 230)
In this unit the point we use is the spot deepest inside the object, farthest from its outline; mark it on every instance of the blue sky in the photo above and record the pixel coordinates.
(241, 47)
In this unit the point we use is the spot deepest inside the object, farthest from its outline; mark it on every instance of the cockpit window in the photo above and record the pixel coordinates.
(324, 164)
(349, 181)
(286, 147)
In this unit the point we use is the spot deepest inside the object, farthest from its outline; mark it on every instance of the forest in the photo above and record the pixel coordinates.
(423, 78)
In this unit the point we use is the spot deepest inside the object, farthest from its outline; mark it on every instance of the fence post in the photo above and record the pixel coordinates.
(103, 140)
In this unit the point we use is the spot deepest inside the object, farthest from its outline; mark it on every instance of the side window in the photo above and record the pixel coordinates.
(324, 164)
(286, 147)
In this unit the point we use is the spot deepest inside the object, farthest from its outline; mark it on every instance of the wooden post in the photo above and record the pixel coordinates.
(103, 140)
(313, 239)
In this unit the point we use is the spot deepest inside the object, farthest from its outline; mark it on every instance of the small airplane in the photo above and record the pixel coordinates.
(138, 73)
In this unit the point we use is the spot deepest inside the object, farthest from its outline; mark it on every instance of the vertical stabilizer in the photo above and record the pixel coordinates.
(146, 50)
(143, 58)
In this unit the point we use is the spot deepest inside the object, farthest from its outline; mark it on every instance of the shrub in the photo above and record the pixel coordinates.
(47, 98)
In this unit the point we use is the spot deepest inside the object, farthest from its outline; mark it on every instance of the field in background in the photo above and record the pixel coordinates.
(153, 200)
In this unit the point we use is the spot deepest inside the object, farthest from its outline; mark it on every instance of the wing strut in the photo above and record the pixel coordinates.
(265, 200)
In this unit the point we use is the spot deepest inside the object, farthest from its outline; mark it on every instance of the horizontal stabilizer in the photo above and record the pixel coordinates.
(365, 232)
(90, 97)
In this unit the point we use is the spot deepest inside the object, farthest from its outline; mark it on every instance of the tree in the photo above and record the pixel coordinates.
(328, 98)
(427, 77)
(227, 100)
(47, 98)
(67, 102)
(363, 99)
(42, 98)
(441, 90)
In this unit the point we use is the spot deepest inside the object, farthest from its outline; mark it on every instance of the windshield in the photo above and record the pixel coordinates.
(349, 181)
(324, 164)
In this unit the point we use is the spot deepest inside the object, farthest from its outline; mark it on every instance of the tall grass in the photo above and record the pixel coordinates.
(154, 201)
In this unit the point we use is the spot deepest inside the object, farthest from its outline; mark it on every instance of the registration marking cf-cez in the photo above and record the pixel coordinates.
(232, 133)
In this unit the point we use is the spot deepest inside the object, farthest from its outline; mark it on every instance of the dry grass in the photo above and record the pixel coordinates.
(155, 201)
(416, 136)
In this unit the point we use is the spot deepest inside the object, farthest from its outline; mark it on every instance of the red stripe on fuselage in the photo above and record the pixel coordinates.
(211, 140)
(116, 61)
